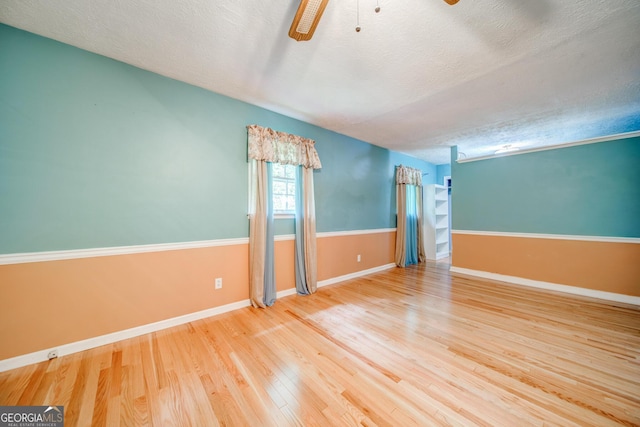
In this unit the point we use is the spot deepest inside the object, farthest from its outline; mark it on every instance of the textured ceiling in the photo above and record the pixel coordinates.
(420, 76)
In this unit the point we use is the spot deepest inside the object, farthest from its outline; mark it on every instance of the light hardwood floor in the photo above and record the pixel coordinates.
(414, 346)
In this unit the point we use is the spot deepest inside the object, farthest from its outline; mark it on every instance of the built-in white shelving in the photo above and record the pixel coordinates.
(436, 221)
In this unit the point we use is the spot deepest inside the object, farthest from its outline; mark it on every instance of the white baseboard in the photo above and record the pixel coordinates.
(98, 341)
(609, 296)
(286, 293)
(75, 347)
(349, 276)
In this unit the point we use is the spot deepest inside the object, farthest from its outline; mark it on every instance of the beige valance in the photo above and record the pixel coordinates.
(278, 147)
(407, 175)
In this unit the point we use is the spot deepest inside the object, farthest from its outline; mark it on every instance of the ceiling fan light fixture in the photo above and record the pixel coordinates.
(306, 20)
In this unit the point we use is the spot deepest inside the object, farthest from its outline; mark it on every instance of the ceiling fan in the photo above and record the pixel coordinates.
(308, 15)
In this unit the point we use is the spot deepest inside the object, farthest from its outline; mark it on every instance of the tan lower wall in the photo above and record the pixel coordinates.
(337, 256)
(59, 302)
(48, 304)
(602, 266)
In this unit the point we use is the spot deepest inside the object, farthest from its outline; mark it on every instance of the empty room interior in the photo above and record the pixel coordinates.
(321, 212)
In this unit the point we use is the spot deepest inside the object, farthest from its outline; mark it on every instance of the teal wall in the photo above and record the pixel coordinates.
(97, 153)
(591, 190)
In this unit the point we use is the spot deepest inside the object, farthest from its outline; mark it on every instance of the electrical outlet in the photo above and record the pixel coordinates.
(52, 354)
(219, 283)
(358, 257)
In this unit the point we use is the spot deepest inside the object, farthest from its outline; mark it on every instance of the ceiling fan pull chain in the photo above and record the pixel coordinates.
(358, 16)
(377, 9)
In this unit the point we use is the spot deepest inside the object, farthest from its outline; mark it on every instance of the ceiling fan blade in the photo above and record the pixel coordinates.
(306, 20)
(451, 2)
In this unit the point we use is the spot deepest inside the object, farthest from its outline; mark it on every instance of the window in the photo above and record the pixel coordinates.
(284, 189)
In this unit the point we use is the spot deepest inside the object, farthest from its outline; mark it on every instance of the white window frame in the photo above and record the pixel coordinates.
(289, 213)
(276, 214)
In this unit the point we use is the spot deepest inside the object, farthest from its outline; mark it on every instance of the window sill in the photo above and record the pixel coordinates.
(279, 216)
(284, 216)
